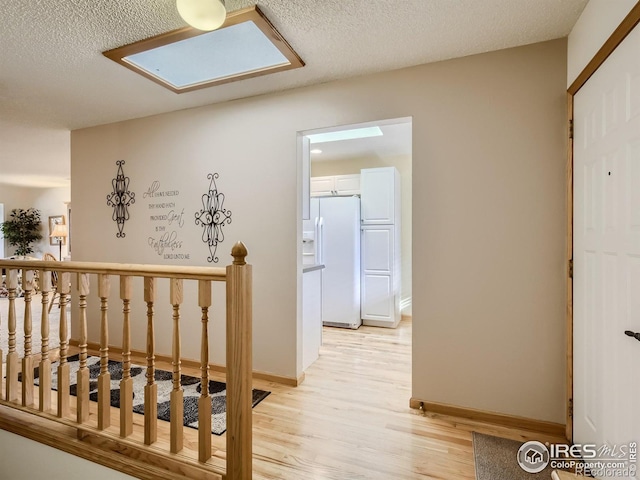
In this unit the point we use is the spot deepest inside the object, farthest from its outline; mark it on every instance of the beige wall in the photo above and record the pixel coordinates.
(403, 164)
(21, 458)
(488, 212)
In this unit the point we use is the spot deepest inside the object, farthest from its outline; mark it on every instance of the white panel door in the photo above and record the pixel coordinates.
(607, 250)
(378, 195)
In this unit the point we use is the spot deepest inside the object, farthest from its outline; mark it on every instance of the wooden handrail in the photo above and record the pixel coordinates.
(238, 278)
(135, 270)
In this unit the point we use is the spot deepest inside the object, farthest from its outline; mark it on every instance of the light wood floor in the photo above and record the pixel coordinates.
(350, 419)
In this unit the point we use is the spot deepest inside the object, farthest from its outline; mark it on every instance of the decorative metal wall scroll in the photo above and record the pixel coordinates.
(120, 199)
(213, 217)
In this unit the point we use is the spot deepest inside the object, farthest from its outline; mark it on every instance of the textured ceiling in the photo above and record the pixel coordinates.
(53, 78)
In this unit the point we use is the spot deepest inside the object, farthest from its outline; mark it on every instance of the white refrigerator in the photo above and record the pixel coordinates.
(332, 238)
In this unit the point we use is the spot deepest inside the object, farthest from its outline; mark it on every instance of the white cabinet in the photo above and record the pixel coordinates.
(347, 184)
(380, 247)
(377, 299)
(380, 188)
(322, 186)
(377, 249)
(377, 278)
(335, 185)
(311, 316)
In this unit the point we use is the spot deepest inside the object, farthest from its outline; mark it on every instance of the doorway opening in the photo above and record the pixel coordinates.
(356, 209)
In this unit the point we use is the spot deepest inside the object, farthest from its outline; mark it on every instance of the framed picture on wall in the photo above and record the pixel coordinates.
(53, 221)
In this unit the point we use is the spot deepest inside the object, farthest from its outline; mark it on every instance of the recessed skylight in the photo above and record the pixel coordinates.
(345, 135)
(246, 45)
(225, 53)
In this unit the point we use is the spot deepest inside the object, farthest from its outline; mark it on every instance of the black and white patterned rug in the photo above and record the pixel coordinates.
(190, 385)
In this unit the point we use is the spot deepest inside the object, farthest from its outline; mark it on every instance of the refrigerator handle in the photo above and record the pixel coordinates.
(319, 240)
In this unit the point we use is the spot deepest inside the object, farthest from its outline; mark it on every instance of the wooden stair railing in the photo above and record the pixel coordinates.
(20, 395)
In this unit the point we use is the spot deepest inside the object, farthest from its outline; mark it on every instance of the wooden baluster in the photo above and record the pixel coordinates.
(126, 384)
(83, 371)
(104, 379)
(239, 368)
(64, 281)
(177, 402)
(44, 395)
(151, 388)
(12, 357)
(27, 360)
(204, 402)
(1, 352)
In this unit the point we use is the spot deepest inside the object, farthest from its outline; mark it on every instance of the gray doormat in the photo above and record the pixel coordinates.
(497, 459)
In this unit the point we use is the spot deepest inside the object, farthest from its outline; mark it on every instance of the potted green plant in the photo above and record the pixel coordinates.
(22, 229)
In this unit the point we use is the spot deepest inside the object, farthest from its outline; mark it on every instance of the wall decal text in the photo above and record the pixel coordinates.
(167, 219)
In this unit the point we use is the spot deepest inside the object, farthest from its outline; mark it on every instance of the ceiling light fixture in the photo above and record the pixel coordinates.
(204, 15)
(316, 150)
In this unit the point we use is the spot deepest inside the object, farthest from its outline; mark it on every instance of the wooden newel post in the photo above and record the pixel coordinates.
(239, 366)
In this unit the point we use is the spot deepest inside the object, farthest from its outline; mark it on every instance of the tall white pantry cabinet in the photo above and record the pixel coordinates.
(380, 246)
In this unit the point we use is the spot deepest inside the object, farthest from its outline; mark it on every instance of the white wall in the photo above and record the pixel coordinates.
(50, 202)
(403, 164)
(596, 23)
(488, 213)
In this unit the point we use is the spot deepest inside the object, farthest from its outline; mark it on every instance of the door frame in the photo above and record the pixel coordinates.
(619, 34)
